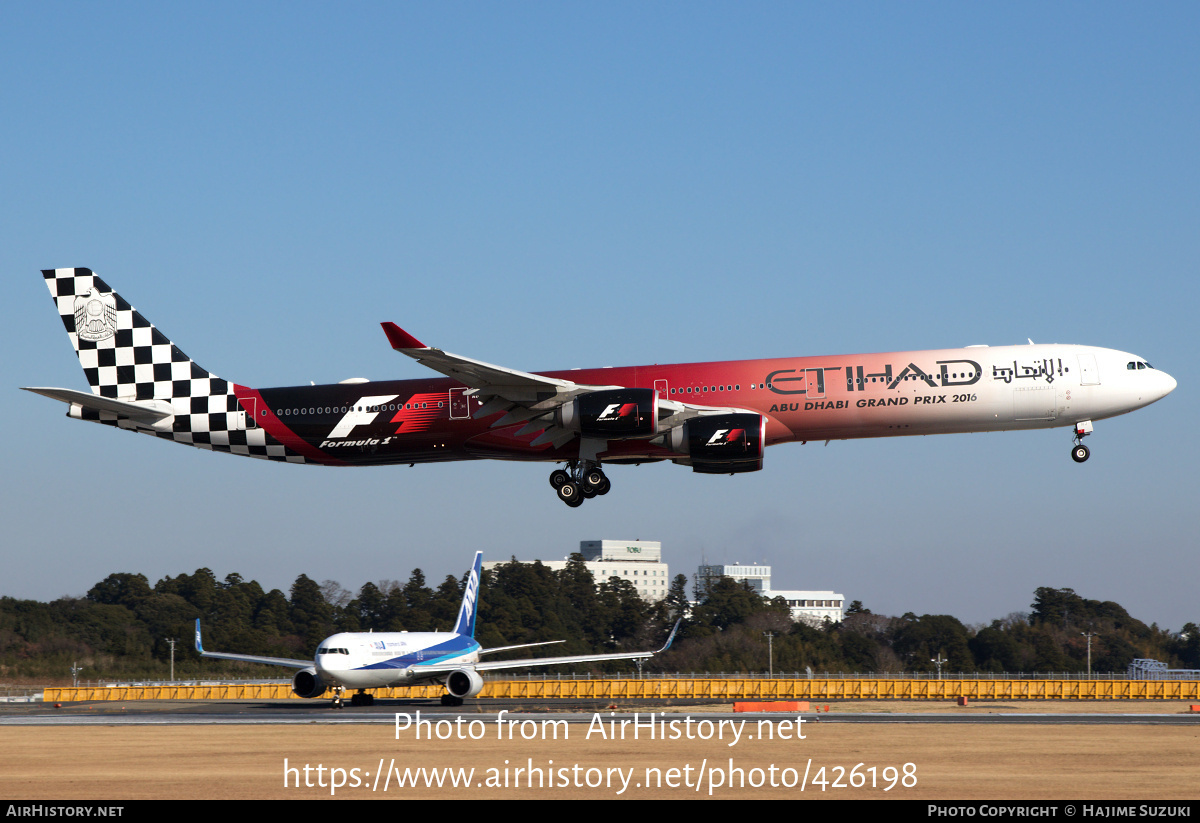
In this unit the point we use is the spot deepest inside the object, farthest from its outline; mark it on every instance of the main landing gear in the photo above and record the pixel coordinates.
(362, 698)
(1080, 452)
(580, 480)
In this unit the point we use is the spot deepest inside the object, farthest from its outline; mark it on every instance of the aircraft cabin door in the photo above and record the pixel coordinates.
(246, 417)
(1089, 375)
(460, 404)
(814, 383)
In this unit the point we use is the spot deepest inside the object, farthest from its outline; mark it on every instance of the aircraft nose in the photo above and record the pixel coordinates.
(1169, 384)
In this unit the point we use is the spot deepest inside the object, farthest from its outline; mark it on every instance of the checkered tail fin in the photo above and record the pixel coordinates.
(122, 354)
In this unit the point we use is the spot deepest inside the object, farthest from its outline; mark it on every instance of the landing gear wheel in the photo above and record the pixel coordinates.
(604, 487)
(451, 700)
(593, 478)
(558, 477)
(1080, 453)
(570, 493)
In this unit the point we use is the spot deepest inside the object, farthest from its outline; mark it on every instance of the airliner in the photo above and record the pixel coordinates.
(717, 418)
(376, 660)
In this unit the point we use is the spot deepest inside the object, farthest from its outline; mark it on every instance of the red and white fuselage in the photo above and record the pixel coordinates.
(716, 418)
(974, 389)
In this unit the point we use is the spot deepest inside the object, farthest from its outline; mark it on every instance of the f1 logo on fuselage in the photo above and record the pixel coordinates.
(360, 414)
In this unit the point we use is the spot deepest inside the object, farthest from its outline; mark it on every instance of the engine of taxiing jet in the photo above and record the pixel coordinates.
(464, 683)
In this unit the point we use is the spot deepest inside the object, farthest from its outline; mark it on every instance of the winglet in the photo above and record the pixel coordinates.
(670, 639)
(199, 645)
(400, 339)
(470, 604)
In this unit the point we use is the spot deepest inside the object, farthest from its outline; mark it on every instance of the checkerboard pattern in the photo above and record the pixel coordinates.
(132, 360)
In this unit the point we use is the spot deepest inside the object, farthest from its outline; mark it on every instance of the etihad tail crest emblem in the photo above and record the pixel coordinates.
(95, 316)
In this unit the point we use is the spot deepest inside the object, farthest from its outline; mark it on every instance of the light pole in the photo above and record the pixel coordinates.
(770, 651)
(1089, 636)
(938, 661)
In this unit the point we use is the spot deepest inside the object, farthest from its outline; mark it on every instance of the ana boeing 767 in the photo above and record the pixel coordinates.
(377, 660)
(717, 418)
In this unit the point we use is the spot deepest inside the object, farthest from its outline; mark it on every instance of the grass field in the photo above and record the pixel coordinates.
(948, 761)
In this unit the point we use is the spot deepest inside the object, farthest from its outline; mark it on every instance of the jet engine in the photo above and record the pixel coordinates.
(464, 683)
(721, 443)
(612, 414)
(307, 683)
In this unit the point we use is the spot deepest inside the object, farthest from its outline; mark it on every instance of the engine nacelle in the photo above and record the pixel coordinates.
(722, 443)
(307, 683)
(464, 683)
(612, 414)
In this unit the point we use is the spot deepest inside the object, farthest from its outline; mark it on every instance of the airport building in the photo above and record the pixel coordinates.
(809, 606)
(638, 561)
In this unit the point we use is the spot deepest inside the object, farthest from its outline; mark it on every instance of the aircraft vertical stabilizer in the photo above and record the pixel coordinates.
(140, 380)
(122, 354)
(470, 604)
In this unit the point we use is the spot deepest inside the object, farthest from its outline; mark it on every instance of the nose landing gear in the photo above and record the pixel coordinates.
(1080, 452)
(582, 479)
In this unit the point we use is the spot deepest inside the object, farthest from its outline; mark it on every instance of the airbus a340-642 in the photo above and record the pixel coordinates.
(376, 660)
(716, 418)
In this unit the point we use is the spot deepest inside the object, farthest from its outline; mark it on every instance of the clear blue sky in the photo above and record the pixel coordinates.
(552, 185)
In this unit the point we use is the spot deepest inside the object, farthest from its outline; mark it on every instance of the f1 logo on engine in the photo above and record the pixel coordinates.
(360, 414)
(617, 410)
(726, 437)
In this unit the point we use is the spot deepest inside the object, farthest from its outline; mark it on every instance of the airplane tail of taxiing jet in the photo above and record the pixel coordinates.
(139, 379)
(465, 625)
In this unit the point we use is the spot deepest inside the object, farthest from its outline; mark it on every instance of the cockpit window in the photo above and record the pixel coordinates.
(1137, 364)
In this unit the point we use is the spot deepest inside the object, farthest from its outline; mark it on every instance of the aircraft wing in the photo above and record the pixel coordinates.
(525, 397)
(516, 386)
(550, 661)
(250, 658)
(522, 646)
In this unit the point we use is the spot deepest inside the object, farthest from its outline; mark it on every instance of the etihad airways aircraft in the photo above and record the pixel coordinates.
(376, 660)
(716, 418)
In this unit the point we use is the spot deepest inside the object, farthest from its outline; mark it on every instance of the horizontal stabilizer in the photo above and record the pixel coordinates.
(149, 411)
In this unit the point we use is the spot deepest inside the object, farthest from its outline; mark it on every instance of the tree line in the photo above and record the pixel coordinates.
(121, 627)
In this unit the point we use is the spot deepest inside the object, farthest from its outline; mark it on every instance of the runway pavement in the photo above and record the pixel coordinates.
(223, 712)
